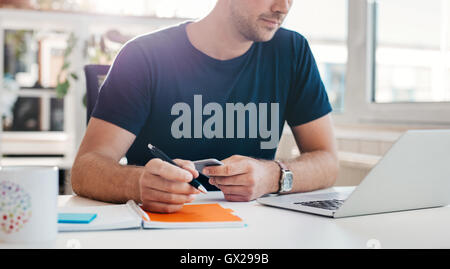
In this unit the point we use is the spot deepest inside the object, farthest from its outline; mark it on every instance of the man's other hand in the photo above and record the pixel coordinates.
(243, 178)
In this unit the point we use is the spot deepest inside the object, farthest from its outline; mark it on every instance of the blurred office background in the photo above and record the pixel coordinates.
(385, 64)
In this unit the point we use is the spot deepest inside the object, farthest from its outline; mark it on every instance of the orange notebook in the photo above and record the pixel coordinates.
(130, 215)
(194, 216)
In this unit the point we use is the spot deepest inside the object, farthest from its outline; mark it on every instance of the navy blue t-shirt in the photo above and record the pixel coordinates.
(154, 72)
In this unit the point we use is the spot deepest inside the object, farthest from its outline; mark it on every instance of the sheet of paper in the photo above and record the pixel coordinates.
(109, 217)
(195, 215)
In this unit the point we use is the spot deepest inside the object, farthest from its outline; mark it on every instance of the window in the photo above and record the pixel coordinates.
(324, 24)
(412, 51)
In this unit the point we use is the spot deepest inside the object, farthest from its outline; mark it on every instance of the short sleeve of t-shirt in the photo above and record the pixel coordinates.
(308, 99)
(124, 96)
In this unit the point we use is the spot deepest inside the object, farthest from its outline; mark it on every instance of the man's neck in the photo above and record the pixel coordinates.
(215, 36)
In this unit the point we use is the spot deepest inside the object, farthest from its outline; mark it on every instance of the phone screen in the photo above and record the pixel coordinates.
(200, 164)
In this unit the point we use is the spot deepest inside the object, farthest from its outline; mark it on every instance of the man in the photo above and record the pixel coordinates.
(238, 55)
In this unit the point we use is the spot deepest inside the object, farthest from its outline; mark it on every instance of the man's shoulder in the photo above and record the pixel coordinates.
(288, 46)
(284, 34)
(161, 38)
(285, 38)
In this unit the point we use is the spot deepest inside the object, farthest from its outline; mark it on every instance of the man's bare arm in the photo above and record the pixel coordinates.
(242, 178)
(97, 174)
(317, 167)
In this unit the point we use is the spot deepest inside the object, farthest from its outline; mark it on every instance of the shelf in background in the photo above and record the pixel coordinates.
(61, 163)
(34, 136)
(35, 143)
(50, 93)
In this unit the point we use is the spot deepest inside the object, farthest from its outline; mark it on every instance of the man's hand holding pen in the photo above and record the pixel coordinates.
(164, 187)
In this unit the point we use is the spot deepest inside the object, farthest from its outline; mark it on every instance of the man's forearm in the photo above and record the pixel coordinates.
(313, 170)
(102, 178)
(243, 178)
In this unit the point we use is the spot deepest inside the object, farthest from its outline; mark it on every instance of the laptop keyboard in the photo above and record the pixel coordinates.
(324, 204)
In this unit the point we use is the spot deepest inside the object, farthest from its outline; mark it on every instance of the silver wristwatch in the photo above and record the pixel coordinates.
(285, 179)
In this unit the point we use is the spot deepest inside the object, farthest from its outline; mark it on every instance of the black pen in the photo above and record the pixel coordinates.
(159, 154)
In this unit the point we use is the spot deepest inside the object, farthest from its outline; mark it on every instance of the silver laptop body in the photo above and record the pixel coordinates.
(413, 174)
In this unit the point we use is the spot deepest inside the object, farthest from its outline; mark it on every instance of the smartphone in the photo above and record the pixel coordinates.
(200, 164)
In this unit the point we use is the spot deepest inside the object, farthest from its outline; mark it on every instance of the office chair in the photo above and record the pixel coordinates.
(95, 74)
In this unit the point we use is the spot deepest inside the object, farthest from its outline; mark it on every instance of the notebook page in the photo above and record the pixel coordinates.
(195, 216)
(109, 217)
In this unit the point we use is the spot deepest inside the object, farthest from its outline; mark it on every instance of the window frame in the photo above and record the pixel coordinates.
(359, 106)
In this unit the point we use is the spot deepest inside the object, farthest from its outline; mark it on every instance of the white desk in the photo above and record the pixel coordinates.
(270, 227)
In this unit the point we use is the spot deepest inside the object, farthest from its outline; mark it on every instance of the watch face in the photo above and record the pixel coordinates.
(287, 181)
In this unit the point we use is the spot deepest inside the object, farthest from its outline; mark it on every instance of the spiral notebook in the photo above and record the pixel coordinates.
(131, 216)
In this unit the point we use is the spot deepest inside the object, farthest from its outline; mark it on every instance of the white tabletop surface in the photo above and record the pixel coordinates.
(273, 228)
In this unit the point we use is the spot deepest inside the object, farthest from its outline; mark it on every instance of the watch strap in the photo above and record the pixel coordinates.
(282, 165)
(283, 168)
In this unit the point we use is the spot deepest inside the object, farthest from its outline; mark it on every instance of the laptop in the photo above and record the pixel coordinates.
(413, 174)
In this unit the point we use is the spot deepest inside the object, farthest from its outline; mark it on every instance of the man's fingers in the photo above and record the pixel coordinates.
(164, 186)
(232, 180)
(228, 169)
(188, 165)
(153, 195)
(153, 206)
(236, 190)
(168, 171)
(171, 186)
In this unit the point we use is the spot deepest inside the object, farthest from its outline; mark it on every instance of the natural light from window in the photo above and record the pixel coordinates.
(326, 31)
(413, 51)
